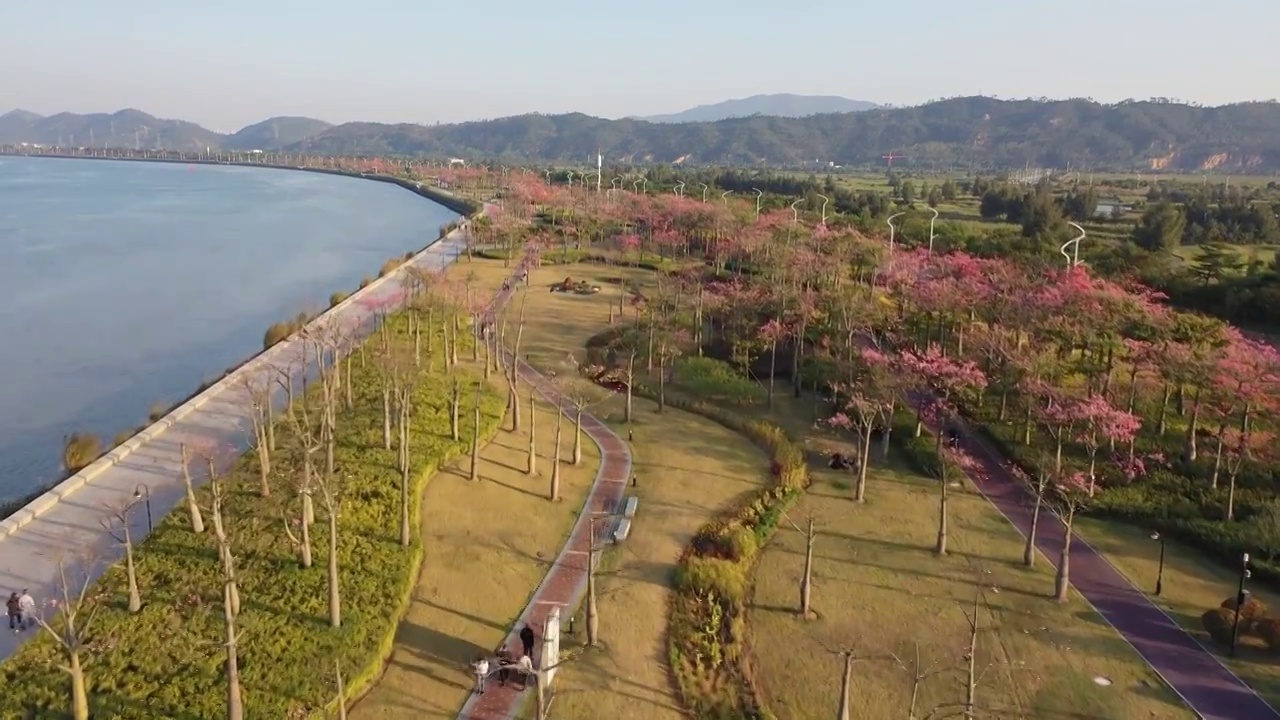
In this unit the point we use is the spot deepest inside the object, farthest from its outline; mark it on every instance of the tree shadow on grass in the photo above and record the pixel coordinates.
(437, 647)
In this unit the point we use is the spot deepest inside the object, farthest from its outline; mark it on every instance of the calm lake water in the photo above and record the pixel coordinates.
(127, 284)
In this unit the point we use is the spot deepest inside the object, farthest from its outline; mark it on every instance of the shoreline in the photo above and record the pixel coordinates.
(464, 209)
(460, 205)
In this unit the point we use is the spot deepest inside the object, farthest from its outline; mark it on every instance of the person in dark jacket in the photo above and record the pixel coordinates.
(15, 613)
(526, 640)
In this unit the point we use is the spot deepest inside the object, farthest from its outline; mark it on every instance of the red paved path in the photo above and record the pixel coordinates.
(566, 583)
(1206, 685)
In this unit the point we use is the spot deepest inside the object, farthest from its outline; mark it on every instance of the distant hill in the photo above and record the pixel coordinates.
(977, 132)
(779, 105)
(275, 133)
(126, 128)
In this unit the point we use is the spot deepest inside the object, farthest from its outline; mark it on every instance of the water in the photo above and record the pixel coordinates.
(128, 284)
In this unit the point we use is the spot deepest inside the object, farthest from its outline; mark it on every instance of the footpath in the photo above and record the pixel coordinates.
(63, 527)
(565, 584)
(1207, 686)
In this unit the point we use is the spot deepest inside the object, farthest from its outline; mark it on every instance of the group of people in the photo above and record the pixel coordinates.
(507, 665)
(22, 611)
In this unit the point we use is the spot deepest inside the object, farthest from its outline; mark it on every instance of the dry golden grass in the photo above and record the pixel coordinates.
(689, 469)
(487, 545)
(879, 589)
(1192, 584)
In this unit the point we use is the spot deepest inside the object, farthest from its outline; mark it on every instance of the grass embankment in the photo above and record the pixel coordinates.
(486, 548)
(167, 662)
(878, 589)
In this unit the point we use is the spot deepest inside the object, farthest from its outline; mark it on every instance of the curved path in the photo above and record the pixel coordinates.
(64, 525)
(565, 584)
(1206, 685)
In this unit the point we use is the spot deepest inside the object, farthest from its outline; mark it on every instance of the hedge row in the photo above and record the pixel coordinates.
(166, 661)
(706, 641)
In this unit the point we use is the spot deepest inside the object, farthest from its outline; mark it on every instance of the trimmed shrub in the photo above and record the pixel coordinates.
(1219, 623)
(337, 298)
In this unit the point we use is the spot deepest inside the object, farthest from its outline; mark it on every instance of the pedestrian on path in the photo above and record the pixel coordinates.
(481, 667)
(526, 640)
(26, 609)
(15, 612)
(525, 667)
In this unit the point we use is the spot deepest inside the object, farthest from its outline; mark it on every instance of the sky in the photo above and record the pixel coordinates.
(229, 63)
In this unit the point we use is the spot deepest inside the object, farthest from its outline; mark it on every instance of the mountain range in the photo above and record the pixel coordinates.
(977, 132)
(779, 105)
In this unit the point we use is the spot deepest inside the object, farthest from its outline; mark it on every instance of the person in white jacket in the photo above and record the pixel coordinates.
(27, 605)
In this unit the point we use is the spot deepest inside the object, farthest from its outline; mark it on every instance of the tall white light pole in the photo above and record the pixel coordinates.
(548, 178)
(644, 185)
(617, 182)
(599, 171)
(635, 187)
(932, 220)
(759, 194)
(1073, 260)
(795, 214)
(724, 197)
(892, 229)
(704, 191)
(825, 200)
(570, 177)
(679, 189)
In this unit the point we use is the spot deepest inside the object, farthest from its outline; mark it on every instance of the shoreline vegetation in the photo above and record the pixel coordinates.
(81, 449)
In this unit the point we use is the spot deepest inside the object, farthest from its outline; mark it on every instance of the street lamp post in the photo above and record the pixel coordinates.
(1073, 260)
(1160, 567)
(893, 229)
(704, 191)
(825, 200)
(548, 175)
(759, 194)
(1240, 598)
(635, 186)
(617, 182)
(679, 188)
(724, 197)
(932, 220)
(142, 492)
(795, 214)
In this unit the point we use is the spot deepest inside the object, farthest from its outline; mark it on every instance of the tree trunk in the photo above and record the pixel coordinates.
(454, 401)
(135, 599)
(1062, 580)
(335, 596)
(577, 436)
(593, 609)
(193, 507)
(342, 690)
(1231, 496)
(806, 583)
(475, 439)
(304, 548)
(846, 685)
(773, 366)
(235, 704)
(79, 693)
(404, 474)
(940, 548)
(1029, 548)
(386, 417)
(860, 494)
(555, 461)
(533, 443)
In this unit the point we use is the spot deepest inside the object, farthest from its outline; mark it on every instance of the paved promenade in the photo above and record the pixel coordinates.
(219, 422)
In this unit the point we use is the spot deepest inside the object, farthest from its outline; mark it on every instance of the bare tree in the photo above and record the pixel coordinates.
(342, 691)
(920, 672)
(329, 485)
(532, 468)
(74, 612)
(806, 580)
(116, 523)
(230, 600)
(579, 395)
(405, 388)
(455, 403)
(257, 390)
(475, 435)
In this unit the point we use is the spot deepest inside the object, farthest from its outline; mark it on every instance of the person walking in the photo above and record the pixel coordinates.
(526, 640)
(15, 612)
(525, 668)
(26, 609)
(481, 667)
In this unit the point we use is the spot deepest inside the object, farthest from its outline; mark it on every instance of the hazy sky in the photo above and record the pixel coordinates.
(228, 63)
